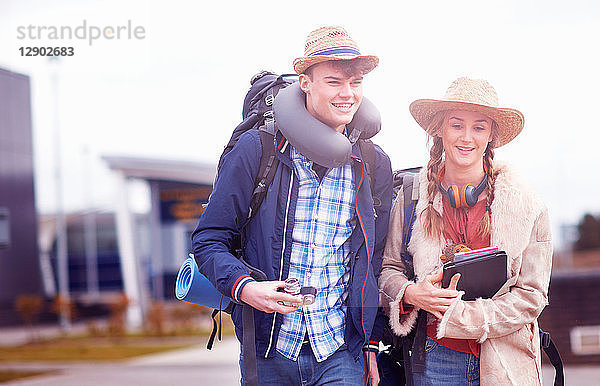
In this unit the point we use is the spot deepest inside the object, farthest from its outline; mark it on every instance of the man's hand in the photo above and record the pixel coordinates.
(429, 296)
(370, 363)
(263, 296)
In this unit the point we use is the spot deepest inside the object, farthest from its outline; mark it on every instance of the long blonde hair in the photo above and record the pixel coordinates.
(431, 218)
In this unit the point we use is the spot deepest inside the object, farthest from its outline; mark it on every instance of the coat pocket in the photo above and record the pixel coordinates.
(524, 339)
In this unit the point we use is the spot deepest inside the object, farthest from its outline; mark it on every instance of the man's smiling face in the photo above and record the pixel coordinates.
(332, 96)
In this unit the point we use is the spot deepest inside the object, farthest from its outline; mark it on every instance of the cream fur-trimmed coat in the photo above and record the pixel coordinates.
(505, 325)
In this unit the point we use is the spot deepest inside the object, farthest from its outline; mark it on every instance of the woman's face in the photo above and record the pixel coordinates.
(465, 136)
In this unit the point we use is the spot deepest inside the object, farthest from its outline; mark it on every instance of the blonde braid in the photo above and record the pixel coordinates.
(432, 220)
(485, 226)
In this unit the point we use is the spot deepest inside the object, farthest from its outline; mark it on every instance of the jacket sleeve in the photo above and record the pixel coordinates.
(383, 190)
(393, 281)
(219, 226)
(509, 310)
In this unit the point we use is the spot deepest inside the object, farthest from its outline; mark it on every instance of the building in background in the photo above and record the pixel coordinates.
(136, 253)
(93, 255)
(19, 263)
(178, 191)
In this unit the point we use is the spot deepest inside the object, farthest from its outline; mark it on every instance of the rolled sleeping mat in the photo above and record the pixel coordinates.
(193, 287)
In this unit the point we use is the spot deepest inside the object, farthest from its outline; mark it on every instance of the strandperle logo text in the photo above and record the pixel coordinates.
(83, 31)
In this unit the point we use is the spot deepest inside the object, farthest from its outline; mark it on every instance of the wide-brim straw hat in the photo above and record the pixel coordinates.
(331, 43)
(471, 95)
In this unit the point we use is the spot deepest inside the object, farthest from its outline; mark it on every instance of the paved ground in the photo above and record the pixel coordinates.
(191, 366)
(196, 366)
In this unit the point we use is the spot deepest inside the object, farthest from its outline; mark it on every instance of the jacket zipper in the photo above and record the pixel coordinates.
(287, 208)
(362, 227)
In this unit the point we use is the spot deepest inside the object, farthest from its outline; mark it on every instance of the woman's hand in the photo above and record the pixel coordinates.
(429, 296)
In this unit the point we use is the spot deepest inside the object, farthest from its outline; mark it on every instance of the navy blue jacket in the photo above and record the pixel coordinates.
(269, 238)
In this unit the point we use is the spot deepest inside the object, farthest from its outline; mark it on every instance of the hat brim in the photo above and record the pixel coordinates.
(510, 121)
(304, 62)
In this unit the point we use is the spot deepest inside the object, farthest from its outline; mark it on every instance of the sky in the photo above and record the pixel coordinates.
(177, 92)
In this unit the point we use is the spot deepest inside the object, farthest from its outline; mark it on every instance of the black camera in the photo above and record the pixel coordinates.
(292, 287)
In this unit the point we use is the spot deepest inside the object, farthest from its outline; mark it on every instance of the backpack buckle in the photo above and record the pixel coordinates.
(269, 99)
(545, 339)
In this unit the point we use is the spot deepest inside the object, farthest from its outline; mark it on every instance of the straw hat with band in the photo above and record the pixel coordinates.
(475, 95)
(331, 43)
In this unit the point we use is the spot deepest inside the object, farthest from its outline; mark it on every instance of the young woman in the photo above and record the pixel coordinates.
(492, 341)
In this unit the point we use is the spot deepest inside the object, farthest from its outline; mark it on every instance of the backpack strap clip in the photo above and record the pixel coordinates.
(544, 339)
(269, 98)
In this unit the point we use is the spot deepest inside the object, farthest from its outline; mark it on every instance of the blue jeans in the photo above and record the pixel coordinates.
(338, 369)
(444, 366)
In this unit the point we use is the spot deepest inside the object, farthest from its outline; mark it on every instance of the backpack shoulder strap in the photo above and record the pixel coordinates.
(264, 177)
(554, 356)
(410, 186)
(410, 182)
(266, 171)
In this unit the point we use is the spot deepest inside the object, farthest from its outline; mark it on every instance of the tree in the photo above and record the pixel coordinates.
(29, 307)
(65, 307)
(118, 310)
(589, 233)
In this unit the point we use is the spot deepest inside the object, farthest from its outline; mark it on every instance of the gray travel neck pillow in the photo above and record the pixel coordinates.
(314, 139)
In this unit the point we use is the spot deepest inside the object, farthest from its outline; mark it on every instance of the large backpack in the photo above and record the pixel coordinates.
(394, 363)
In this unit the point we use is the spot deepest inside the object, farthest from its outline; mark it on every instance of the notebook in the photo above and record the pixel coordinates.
(483, 272)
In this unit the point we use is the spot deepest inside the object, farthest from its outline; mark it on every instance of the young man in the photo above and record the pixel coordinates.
(315, 224)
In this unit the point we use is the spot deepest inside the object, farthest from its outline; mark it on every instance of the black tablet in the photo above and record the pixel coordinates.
(481, 276)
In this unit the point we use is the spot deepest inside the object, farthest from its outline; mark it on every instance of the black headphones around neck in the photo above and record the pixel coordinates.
(465, 196)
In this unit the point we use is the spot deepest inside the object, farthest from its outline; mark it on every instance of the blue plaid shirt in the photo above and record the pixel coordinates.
(323, 223)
